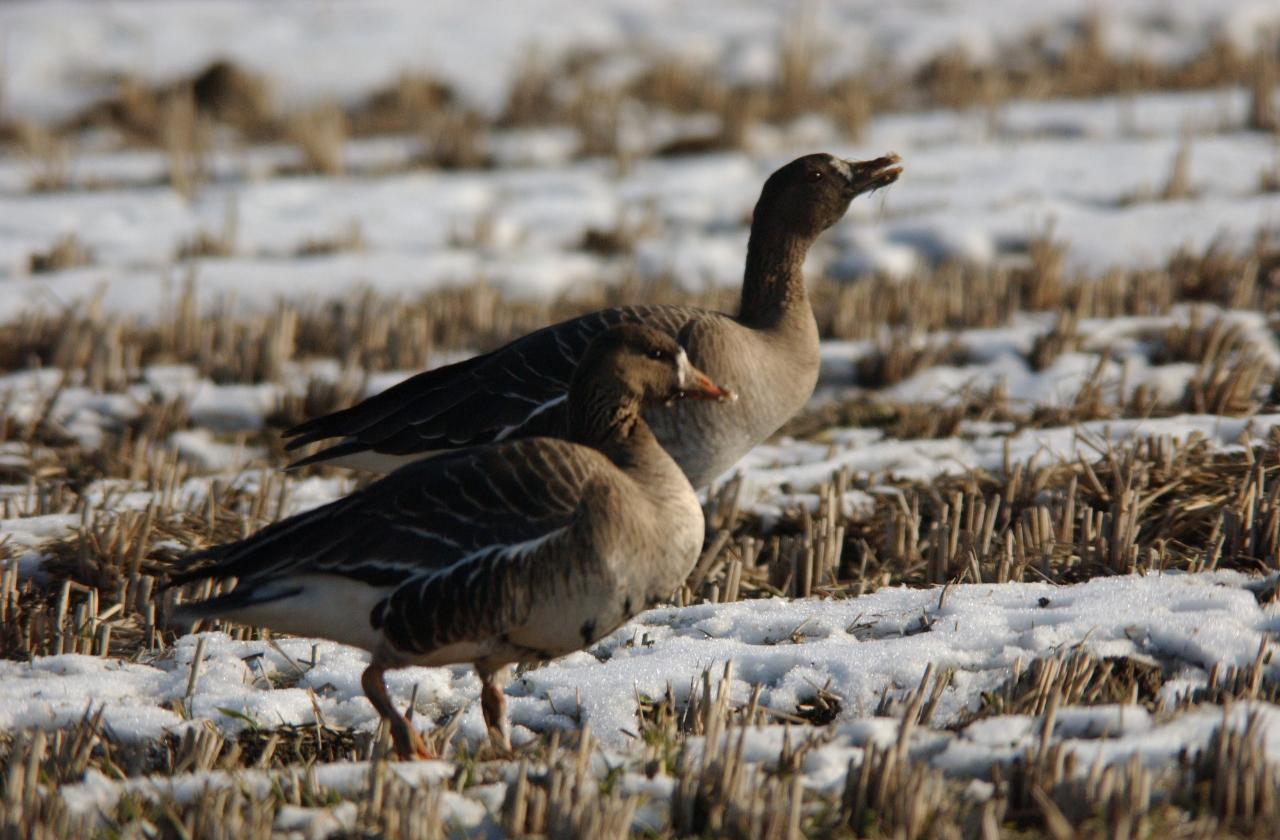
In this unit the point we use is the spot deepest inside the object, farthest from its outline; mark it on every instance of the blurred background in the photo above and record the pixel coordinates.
(543, 146)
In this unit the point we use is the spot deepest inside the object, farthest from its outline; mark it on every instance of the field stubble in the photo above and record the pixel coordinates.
(1155, 504)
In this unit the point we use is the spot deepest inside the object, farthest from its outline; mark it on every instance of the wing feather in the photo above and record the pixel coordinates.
(466, 508)
(513, 392)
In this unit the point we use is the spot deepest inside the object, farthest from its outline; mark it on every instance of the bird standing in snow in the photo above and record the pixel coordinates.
(510, 552)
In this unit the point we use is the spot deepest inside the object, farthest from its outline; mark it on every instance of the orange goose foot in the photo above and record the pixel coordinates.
(406, 740)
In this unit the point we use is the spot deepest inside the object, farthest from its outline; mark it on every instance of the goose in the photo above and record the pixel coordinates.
(515, 551)
(767, 354)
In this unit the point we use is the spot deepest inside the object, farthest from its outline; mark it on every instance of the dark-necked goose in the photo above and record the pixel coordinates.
(509, 552)
(768, 353)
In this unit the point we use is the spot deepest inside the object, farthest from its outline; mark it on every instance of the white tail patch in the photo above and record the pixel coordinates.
(328, 606)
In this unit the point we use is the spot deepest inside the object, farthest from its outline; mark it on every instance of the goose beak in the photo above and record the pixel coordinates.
(696, 385)
(868, 175)
(702, 388)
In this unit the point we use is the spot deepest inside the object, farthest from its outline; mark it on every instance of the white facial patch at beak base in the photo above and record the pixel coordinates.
(684, 373)
(843, 167)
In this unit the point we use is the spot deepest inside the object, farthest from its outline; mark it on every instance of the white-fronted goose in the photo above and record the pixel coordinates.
(768, 353)
(508, 552)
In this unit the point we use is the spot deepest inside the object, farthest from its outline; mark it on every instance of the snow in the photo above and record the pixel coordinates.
(98, 792)
(997, 356)
(857, 648)
(803, 465)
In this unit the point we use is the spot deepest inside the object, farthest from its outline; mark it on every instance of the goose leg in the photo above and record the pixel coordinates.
(408, 743)
(493, 702)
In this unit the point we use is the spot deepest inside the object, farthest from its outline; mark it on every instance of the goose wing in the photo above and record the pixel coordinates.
(459, 510)
(516, 391)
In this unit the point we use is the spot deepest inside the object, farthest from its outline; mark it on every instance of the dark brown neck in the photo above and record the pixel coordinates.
(608, 419)
(773, 285)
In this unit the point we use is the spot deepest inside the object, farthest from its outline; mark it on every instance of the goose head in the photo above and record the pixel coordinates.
(812, 193)
(646, 365)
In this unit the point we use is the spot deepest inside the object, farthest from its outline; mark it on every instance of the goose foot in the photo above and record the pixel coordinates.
(493, 702)
(405, 739)
(408, 742)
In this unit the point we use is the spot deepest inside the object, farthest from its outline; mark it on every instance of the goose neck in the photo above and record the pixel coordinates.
(604, 419)
(773, 284)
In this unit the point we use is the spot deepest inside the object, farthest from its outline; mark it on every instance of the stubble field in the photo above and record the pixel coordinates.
(1014, 571)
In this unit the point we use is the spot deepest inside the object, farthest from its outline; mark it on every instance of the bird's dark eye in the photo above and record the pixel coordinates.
(657, 354)
(815, 175)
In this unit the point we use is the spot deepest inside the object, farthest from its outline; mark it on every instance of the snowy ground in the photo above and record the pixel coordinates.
(863, 647)
(980, 188)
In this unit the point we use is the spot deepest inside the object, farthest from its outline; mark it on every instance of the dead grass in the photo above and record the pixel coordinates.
(1177, 184)
(1226, 789)
(620, 239)
(231, 94)
(453, 138)
(380, 333)
(901, 354)
(47, 156)
(185, 135)
(321, 136)
(1263, 78)
(217, 244)
(1064, 337)
(1269, 179)
(1151, 507)
(348, 238)
(531, 96)
(1073, 677)
(67, 252)
(1200, 342)
(1230, 386)
(401, 107)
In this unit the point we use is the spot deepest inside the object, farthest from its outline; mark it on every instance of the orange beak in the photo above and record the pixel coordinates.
(696, 385)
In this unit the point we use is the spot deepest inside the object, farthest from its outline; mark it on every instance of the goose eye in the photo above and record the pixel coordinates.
(657, 354)
(815, 175)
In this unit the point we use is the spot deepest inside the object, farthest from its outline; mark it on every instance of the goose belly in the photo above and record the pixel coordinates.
(578, 619)
(562, 625)
(566, 617)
